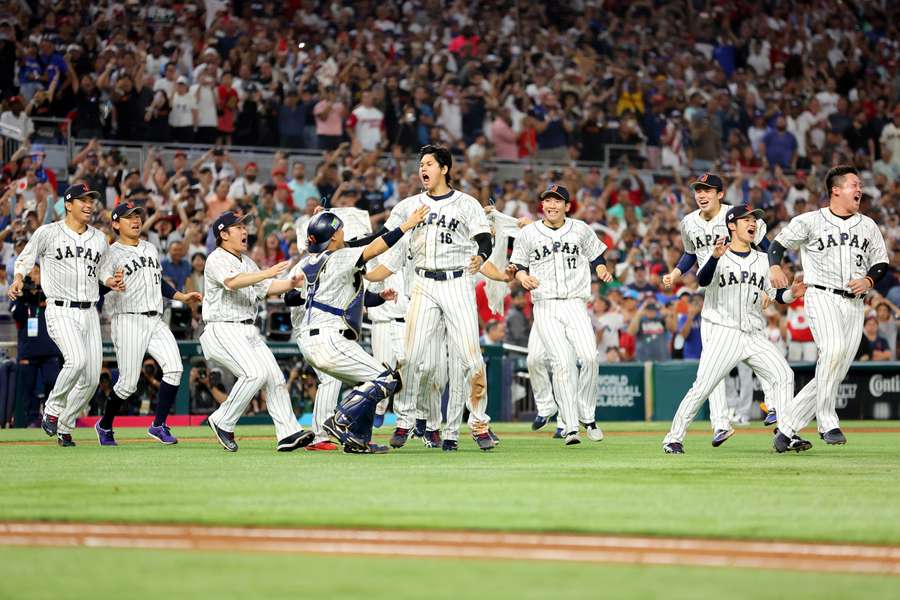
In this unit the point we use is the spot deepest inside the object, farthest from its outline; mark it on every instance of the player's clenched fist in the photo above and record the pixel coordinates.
(528, 282)
(671, 279)
(117, 282)
(475, 264)
(415, 218)
(777, 277)
(297, 280)
(188, 298)
(604, 274)
(720, 248)
(389, 295)
(15, 289)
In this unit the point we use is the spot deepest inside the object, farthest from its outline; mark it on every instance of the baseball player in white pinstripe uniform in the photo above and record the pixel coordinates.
(551, 257)
(137, 325)
(69, 252)
(843, 256)
(233, 286)
(701, 230)
(443, 293)
(331, 326)
(733, 325)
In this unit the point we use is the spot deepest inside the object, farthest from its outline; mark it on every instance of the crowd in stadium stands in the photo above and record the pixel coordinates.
(769, 94)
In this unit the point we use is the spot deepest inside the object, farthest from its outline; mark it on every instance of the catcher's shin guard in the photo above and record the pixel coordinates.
(357, 411)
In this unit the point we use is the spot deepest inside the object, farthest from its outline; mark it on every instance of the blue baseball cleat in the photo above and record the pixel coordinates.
(106, 437)
(539, 422)
(720, 436)
(771, 418)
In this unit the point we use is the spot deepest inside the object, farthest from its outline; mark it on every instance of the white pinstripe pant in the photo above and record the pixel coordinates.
(136, 335)
(76, 332)
(439, 311)
(388, 347)
(242, 350)
(726, 348)
(539, 375)
(328, 394)
(836, 325)
(568, 337)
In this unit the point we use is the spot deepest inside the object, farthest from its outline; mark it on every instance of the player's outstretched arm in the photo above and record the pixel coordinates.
(281, 286)
(381, 245)
(379, 273)
(243, 280)
(491, 271)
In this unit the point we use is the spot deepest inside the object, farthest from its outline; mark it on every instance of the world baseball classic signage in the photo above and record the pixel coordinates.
(621, 393)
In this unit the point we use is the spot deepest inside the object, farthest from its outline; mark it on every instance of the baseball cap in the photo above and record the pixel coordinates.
(126, 209)
(182, 79)
(279, 171)
(320, 229)
(79, 190)
(558, 191)
(226, 219)
(708, 180)
(249, 165)
(137, 191)
(739, 212)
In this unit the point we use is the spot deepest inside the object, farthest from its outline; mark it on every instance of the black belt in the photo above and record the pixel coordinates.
(440, 275)
(400, 320)
(842, 293)
(149, 313)
(347, 333)
(73, 304)
(244, 322)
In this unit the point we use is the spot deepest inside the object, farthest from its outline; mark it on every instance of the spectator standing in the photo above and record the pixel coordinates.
(687, 339)
(800, 343)
(301, 189)
(175, 267)
(291, 120)
(648, 326)
(779, 146)
(608, 324)
(204, 93)
(503, 136)
(184, 116)
(246, 189)
(227, 106)
(367, 124)
(329, 113)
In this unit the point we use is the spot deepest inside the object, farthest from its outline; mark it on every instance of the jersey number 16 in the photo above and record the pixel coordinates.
(446, 238)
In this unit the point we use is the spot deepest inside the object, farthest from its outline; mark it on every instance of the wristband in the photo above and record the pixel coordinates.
(871, 282)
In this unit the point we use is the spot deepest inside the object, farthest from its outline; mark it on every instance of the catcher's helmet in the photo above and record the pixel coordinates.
(320, 230)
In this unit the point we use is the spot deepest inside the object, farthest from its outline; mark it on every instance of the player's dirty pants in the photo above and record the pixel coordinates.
(568, 338)
(837, 325)
(388, 347)
(539, 375)
(242, 350)
(438, 309)
(136, 335)
(330, 353)
(732, 346)
(76, 332)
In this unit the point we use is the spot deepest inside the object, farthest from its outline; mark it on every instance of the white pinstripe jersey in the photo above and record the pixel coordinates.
(443, 241)
(833, 250)
(559, 258)
(398, 261)
(734, 297)
(143, 274)
(69, 261)
(338, 282)
(297, 312)
(699, 236)
(222, 304)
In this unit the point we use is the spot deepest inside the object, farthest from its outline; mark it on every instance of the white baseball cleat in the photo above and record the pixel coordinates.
(572, 438)
(594, 433)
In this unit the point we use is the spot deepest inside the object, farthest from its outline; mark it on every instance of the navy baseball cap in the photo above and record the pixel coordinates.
(226, 219)
(739, 212)
(709, 180)
(79, 190)
(126, 209)
(320, 230)
(558, 191)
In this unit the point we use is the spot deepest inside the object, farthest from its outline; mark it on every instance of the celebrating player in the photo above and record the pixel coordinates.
(334, 302)
(443, 295)
(733, 325)
(69, 252)
(131, 269)
(843, 256)
(549, 258)
(233, 285)
(701, 230)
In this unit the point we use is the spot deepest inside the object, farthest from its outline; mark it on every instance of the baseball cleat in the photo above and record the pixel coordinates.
(48, 424)
(419, 430)
(594, 433)
(106, 437)
(783, 443)
(720, 436)
(323, 446)
(378, 422)
(369, 448)
(335, 430)
(558, 434)
(163, 434)
(484, 441)
(295, 440)
(673, 448)
(398, 439)
(771, 418)
(494, 436)
(450, 446)
(572, 438)
(65, 440)
(226, 438)
(835, 437)
(539, 422)
(432, 439)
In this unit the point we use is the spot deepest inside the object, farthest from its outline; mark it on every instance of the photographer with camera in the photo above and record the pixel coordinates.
(650, 329)
(206, 388)
(36, 351)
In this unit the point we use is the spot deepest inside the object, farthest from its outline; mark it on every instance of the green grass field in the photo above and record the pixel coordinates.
(624, 484)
